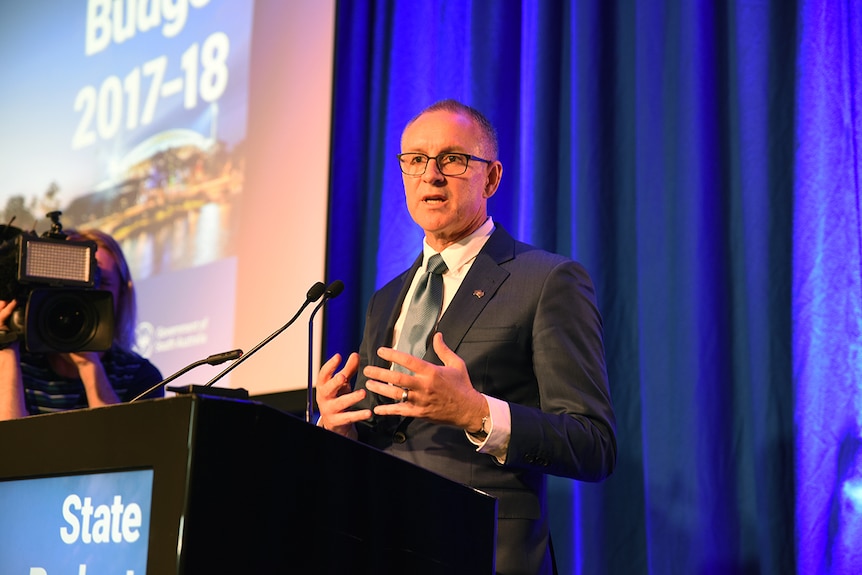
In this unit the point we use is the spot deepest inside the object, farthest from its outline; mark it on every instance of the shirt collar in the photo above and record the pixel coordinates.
(462, 251)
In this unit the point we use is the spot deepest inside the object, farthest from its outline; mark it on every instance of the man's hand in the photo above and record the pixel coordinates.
(442, 394)
(335, 398)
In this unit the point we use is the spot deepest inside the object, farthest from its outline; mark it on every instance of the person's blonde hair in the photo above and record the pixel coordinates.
(126, 307)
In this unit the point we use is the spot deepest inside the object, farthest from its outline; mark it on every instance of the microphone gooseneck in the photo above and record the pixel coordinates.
(332, 290)
(215, 359)
(314, 293)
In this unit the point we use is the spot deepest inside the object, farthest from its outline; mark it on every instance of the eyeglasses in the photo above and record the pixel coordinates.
(449, 163)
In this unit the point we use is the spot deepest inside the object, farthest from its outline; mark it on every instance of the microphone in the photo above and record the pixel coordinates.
(215, 359)
(332, 290)
(314, 293)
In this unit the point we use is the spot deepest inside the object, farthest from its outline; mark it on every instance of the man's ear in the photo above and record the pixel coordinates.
(495, 174)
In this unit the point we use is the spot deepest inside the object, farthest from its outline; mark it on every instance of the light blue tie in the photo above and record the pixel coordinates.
(423, 312)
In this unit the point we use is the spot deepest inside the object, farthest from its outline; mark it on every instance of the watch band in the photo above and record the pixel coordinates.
(482, 433)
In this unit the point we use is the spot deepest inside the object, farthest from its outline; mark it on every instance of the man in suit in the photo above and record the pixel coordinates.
(513, 385)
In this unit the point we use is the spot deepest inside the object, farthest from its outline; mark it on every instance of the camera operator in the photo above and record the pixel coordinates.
(33, 383)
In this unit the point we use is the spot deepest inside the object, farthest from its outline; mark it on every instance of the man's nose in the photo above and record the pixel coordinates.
(434, 174)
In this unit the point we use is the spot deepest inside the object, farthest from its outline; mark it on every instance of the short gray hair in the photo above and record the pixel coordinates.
(450, 105)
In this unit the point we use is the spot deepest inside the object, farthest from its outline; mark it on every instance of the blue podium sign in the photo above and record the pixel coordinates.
(76, 524)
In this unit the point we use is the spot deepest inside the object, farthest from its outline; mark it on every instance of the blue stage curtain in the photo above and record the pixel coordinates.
(827, 289)
(700, 158)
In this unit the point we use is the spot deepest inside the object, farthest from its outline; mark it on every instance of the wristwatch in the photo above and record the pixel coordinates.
(482, 433)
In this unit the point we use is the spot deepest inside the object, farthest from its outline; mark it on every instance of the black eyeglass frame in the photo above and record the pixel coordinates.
(437, 158)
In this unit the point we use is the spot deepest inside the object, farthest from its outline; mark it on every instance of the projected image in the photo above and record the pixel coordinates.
(128, 117)
(194, 132)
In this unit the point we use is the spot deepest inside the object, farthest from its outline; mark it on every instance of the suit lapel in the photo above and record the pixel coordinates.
(479, 286)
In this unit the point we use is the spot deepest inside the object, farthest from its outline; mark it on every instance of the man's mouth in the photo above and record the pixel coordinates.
(433, 199)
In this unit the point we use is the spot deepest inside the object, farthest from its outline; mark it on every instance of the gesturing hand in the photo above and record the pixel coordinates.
(442, 394)
(334, 397)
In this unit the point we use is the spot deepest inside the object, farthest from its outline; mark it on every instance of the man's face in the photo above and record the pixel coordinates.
(448, 208)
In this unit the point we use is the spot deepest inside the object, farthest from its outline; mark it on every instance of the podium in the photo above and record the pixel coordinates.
(241, 487)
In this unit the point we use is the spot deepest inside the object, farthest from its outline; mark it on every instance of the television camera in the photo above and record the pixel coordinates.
(54, 280)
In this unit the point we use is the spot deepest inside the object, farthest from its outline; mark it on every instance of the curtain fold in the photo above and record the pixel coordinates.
(700, 160)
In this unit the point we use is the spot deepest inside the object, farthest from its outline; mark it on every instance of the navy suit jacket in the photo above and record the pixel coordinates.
(526, 324)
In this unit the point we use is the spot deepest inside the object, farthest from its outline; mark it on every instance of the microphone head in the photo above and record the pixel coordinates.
(334, 289)
(315, 291)
(223, 357)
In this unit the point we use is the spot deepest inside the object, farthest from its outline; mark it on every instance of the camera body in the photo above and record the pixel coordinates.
(53, 280)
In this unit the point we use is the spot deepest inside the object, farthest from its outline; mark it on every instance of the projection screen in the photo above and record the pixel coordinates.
(197, 133)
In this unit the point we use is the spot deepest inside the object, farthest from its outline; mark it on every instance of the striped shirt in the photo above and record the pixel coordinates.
(46, 392)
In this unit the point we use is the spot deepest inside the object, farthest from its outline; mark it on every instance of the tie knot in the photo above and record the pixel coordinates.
(436, 265)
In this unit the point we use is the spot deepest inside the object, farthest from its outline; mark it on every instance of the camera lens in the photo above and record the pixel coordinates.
(67, 320)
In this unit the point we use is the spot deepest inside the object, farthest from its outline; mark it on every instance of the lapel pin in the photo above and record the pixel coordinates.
(479, 293)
